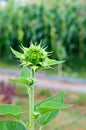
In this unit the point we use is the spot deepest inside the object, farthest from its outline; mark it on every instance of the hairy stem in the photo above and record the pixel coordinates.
(31, 108)
(31, 105)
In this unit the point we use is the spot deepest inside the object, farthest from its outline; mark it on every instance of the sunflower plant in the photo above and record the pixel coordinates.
(33, 59)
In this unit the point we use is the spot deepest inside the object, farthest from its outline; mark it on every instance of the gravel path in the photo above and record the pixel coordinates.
(57, 84)
(49, 81)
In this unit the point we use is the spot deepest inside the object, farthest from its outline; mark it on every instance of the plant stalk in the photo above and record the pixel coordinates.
(31, 108)
(40, 127)
(31, 105)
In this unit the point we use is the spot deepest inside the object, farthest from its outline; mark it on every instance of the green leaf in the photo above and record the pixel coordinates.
(25, 73)
(11, 111)
(51, 62)
(49, 106)
(59, 97)
(21, 80)
(45, 118)
(24, 77)
(11, 125)
(17, 54)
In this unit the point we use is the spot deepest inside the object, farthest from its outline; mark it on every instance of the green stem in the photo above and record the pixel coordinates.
(31, 108)
(31, 105)
(33, 73)
(40, 127)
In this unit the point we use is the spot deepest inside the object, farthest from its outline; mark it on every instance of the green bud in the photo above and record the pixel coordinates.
(35, 56)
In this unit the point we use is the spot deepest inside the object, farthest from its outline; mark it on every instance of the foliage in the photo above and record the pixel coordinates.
(8, 124)
(10, 111)
(72, 118)
(44, 111)
(61, 24)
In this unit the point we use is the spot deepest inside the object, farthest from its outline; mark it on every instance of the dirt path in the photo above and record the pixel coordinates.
(51, 83)
(57, 84)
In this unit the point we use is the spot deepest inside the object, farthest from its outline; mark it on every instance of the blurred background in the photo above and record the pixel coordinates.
(61, 26)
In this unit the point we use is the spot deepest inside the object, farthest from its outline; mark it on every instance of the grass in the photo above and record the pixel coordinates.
(9, 64)
(75, 69)
(73, 118)
(79, 72)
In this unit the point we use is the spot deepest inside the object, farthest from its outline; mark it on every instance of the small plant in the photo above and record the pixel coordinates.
(35, 57)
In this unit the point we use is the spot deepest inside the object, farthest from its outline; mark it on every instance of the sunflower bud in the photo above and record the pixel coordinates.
(35, 56)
